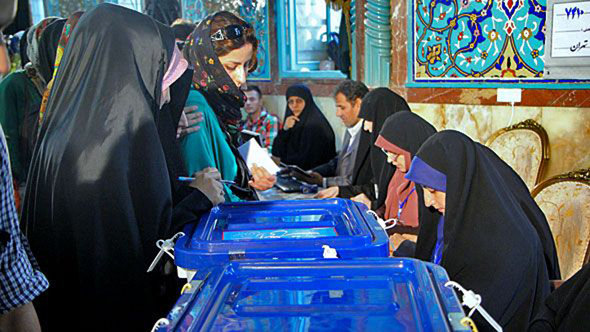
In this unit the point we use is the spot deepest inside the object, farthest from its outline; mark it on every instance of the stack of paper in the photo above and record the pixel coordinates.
(254, 154)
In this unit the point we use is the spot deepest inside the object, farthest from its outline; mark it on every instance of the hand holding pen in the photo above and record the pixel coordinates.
(191, 179)
(208, 181)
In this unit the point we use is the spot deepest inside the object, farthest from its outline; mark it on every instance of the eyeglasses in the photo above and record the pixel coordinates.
(229, 32)
(390, 154)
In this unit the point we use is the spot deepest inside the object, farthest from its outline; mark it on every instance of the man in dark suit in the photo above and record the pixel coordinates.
(351, 165)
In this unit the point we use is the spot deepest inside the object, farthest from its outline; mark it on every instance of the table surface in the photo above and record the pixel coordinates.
(277, 194)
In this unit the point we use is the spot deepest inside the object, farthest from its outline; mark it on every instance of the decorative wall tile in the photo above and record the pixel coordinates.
(497, 41)
(64, 8)
(479, 38)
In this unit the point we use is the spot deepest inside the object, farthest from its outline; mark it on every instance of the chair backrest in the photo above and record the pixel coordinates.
(565, 200)
(525, 147)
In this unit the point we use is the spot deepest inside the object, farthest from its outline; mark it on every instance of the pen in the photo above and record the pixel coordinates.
(190, 179)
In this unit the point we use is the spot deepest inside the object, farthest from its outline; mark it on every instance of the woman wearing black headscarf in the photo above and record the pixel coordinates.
(566, 309)
(22, 49)
(99, 194)
(485, 239)
(306, 139)
(48, 48)
(400, 138)
(534, 214)
(377, 106)
(163, 11)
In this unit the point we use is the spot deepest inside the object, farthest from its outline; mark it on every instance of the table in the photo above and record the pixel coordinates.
(277, 194)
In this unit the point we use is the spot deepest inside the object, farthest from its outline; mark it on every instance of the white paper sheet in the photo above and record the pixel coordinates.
(571, 29)
(254, 154)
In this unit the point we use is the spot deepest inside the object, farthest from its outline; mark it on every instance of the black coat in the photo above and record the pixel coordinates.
(568, 307)
(490, 244)
(99, 193)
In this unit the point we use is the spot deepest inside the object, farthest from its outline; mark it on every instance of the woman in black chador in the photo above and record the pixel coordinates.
(488, 237)
(99, 194)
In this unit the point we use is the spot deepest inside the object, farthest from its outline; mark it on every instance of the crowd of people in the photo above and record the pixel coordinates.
(111, 107)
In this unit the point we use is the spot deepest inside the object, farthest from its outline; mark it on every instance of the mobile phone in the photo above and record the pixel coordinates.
(299, 170)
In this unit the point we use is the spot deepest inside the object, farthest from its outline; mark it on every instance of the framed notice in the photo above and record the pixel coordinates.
(568, 40)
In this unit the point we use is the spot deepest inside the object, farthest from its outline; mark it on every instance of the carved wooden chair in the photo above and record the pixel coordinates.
(525, 147)
(565, 200)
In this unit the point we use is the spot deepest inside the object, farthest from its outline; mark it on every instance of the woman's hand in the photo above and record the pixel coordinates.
(261, 178)
(189, 121)
(362, 198)
(290, 122)
(328, 193)
(208, 181)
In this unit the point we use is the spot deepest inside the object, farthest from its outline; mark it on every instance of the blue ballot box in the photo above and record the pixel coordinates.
(369, 294)
(280, 229)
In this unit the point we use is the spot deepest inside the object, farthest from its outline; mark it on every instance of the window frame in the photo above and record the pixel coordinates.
(288, 53)
(40, 9)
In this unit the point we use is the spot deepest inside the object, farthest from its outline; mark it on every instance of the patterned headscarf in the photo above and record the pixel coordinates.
(63, 41)
(210, 77)
(33, 37)
(65, 37)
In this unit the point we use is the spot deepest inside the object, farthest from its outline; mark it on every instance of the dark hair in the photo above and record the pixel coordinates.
(352, 90)
(253, 88)
(223, 47)
(182, 30)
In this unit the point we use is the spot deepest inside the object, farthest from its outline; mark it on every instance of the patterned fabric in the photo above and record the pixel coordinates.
(63, 41)
(33, 37)
(567, 208)
(267, 125)
(522, 150)
(501, 39)
(65, 38)
(210, 77)
(66, 7)
(20, 278)
(253, 12)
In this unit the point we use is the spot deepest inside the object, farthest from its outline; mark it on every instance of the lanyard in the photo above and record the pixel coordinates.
(437, 253)
(401, 206)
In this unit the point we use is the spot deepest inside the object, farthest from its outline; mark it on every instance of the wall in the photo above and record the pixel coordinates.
(568, 128)
(564, 114)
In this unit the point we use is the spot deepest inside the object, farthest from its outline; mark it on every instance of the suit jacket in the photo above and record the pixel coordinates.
(338, 171)
(362, 174)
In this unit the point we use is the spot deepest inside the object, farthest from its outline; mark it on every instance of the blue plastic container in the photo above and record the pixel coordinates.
(280, 229)
(383, 294)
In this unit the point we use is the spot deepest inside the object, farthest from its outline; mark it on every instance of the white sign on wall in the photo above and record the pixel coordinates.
(571, 30)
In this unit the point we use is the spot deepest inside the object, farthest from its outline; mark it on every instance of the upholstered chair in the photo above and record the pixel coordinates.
(525, 147)
(565, 200)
